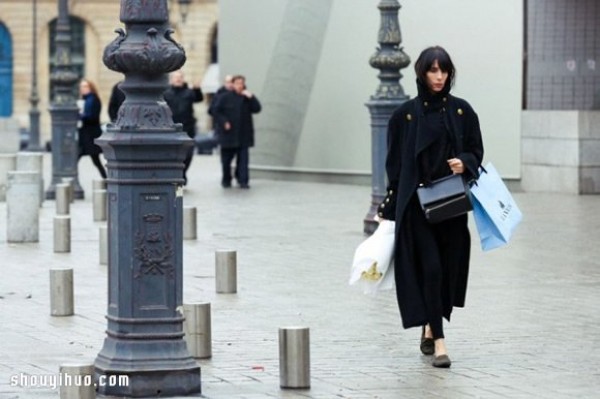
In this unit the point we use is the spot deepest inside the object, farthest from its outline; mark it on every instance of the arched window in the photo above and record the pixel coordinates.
(77, 50)
(6, 61)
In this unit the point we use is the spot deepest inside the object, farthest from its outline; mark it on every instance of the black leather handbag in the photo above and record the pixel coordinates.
(445, 198)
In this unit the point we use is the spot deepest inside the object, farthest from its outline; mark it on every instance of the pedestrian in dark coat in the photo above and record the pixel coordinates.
(429, 137)
(233, 113)
(181, 99)
(117, 97)
(90, 124)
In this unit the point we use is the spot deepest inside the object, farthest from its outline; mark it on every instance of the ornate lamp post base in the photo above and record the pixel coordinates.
(145, 151)
(389, 59)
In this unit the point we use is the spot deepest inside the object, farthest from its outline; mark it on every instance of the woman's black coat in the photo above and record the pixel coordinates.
(90, 125)
(404, 146)
(236, 109)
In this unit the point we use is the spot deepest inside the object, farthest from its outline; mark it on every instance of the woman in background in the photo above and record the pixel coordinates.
(90, 124)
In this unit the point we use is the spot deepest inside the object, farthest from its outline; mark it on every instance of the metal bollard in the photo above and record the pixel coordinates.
(226, 272)
(103, 245)
(294, 357)
(77, 381)
(69, 182)
(61, 292)
(100, 205)
(189, 223)
(98, 184)
(197, 328)
(62, 233)
(63, 202)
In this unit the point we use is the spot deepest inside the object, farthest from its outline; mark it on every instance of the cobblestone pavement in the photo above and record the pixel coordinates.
(530, 328)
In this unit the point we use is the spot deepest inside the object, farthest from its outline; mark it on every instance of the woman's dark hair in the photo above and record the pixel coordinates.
(426, 60)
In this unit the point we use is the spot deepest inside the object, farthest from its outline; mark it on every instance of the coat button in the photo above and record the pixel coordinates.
(382, 206)
(445, 99)
(387, 200)
(408, 117)
(380, 214)
(426, 103)
(391, 191)
(460, 111)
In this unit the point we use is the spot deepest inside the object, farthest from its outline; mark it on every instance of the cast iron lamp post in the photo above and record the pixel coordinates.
(34, 113)
(145, 151)
(63, 109)
(389, 59)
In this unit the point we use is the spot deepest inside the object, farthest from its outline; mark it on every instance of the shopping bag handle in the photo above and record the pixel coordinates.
(473, 182)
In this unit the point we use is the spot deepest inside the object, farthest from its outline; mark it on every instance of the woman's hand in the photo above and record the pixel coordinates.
(456, 165)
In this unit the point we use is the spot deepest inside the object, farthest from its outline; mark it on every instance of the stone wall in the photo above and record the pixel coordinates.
(561, 151)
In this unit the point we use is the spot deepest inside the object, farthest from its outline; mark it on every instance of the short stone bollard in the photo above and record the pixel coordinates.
(63, 202)
(197, 328)
(189, 223)
(294, 357)
(100, 205)
(226, 272)
(23, 207)
(77, 381)
(61, 292)
(69, 181)
(103, 232)
(98, 184)
(32, 162)
(62, 233)
(8, 163)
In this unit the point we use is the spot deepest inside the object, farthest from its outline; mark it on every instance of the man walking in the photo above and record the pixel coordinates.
(233, 113)
(181, 99)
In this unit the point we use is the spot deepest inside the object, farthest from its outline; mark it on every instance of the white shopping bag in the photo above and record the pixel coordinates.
(373, 266)
(495, 211)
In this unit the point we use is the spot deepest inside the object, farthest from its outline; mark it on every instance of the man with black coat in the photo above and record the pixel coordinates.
(233, 114)
(181, 99)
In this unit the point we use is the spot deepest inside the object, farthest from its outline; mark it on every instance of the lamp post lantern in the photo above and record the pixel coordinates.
(63, 109)
(145, 151)
(34, 113)
(389, 59)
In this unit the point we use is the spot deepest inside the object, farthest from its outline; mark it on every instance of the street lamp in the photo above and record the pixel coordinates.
(389, 59)
(63, 109)
(34, 99)
(145, 151)
(184, 8)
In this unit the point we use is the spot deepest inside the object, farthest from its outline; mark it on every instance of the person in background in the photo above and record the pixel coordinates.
(90, 124)
(233, 113)
(117, 97)
(181, 99)
(429, 137)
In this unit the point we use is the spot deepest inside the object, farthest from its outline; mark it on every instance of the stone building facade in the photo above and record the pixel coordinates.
(99, 19)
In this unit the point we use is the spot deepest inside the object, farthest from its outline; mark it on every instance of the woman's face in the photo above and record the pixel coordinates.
(436, 78)
(84, 88)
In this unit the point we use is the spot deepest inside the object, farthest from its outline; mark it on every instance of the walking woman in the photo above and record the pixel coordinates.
(90, 124)
(429, 137)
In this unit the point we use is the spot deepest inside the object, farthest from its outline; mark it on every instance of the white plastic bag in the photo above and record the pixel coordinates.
(373, 264)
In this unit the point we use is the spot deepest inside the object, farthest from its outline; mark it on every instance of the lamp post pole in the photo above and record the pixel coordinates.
(389, 59)
(34, 113)
(63, 109)
(145, 151)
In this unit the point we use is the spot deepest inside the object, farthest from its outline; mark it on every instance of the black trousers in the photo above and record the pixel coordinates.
(97, 163)
(242, 157)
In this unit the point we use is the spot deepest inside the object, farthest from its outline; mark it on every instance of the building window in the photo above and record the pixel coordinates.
(562, 47)
(77, 50)
(6, 59)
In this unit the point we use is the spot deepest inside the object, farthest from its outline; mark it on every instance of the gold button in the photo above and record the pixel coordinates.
(408, 117)
(387, 200)
(460, 111)
(426, 103)
(382, 206)
(391, 191)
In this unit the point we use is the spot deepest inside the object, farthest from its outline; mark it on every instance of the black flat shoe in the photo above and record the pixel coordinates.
(441, 361)
(427, 344)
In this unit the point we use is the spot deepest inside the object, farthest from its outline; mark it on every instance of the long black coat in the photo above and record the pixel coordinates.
(404, 147)
(236, 109)
(181, 102)
(90, 125)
